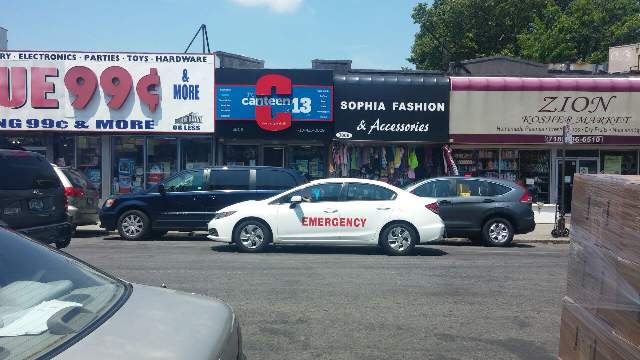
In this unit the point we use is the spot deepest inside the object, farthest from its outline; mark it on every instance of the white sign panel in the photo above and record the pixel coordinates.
(106, 92)
(504, 110)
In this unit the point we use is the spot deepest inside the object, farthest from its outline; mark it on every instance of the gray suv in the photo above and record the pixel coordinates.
(488, 211)
(32, 199)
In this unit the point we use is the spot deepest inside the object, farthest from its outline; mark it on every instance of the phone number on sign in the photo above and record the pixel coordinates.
(575, 139)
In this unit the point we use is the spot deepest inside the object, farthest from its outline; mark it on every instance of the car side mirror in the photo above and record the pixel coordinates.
(161, 189)
(295, 200)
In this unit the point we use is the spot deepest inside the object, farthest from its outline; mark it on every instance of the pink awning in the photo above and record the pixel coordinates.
(545, 84)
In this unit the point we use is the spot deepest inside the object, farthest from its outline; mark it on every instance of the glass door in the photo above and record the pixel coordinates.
(274, 156)
(574, 166)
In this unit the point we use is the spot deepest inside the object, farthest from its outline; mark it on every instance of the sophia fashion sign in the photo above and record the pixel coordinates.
(392, 110)
(599, 111)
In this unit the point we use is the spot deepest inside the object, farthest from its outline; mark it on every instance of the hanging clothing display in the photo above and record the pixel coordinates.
(396, 164)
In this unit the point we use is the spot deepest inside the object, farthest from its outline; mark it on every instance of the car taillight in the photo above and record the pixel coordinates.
(73, 192)
(526, 197)
(433, 207)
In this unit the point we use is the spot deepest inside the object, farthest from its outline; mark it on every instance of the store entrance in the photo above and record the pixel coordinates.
(274, 156)
(573, 166)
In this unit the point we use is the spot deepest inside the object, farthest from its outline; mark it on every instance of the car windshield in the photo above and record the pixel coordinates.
(45, 303)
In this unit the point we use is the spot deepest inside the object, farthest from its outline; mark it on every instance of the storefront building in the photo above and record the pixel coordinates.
(126, 120)
(390, 127)
(512, 128)
(271, 117)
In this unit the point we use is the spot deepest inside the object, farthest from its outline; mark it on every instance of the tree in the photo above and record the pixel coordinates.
(583, 32)
(455, 30)
(538, 30)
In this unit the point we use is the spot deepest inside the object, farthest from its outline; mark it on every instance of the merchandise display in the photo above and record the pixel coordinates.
(601, 312)
(396, 164)
(530, 168)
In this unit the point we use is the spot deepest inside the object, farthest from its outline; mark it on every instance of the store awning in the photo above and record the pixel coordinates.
(545, 84)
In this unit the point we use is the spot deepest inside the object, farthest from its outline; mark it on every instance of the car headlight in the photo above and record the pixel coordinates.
(224, 214)
(109, 202)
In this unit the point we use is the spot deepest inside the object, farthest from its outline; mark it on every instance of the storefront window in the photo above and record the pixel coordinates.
(244, 155)
(535, 173)
(483, 163)
(63, 150)
(619, 162)
(128, 164)
(309, 160)
(196, 153)
(89, 159)
(396, 164)
(162, 158)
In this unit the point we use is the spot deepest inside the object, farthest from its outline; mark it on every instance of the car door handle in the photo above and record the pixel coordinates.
(488, 200)
(384, 208)
(444, 202)
(330, 211)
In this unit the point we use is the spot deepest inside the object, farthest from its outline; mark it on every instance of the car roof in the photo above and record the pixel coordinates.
(495, 180)
(358, 180)
(18, 152)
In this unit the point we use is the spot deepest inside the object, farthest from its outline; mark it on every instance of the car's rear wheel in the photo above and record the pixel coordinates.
(398, 239)
(497, 232)
(252, 236)
(133, 225)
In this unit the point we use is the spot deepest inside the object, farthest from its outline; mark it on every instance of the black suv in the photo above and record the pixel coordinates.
(188, 200)
(482, 209)
(32, 199)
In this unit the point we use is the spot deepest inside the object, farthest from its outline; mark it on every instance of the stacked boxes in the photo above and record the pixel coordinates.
(601, 312)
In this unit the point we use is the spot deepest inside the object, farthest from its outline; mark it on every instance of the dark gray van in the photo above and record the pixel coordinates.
(32, 199)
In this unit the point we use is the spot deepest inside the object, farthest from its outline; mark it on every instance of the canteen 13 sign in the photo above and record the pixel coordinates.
(263, 102)
(106, 92)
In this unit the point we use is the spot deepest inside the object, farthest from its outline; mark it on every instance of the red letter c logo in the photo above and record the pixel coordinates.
(263, 112)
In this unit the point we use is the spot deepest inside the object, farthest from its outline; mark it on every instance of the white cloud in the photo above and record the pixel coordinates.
(279, 6)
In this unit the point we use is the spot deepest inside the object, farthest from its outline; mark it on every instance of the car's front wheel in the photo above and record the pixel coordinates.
(133, 225)
(398, 239)
(61, 244)
(497, 232)
(252, 236)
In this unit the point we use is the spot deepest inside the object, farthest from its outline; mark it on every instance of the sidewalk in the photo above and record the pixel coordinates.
(541, 234)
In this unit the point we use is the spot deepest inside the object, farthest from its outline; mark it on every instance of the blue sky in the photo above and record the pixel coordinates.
(285, 33)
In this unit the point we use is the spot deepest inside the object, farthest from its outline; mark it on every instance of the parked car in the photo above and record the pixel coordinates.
(82, 196)
(336, 211)
(32, 199)
(482, 209)
(187, 200)
(54, 305)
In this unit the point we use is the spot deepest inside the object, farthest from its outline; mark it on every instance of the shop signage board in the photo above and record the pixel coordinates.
(535, 110)
(274, 104)
(106, 92)
(392, 108)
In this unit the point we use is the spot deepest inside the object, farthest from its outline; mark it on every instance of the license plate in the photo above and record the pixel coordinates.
(36, 204)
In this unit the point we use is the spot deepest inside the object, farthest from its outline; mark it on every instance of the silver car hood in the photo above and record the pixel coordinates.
(158, 323)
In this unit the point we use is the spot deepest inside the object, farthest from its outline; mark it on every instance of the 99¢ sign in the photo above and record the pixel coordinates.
(81, 82)
(115, 92)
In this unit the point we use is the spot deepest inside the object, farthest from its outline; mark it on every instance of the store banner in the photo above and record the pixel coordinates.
(271, 104)
(106, 92)
(535, 110)
(392, 108)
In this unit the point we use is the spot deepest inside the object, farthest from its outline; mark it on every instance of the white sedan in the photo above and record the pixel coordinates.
(334, 212)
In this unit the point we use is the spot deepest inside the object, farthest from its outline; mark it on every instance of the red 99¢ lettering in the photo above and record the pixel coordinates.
(81, 82)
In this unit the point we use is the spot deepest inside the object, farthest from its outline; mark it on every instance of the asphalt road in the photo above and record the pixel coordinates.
(450, 301)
